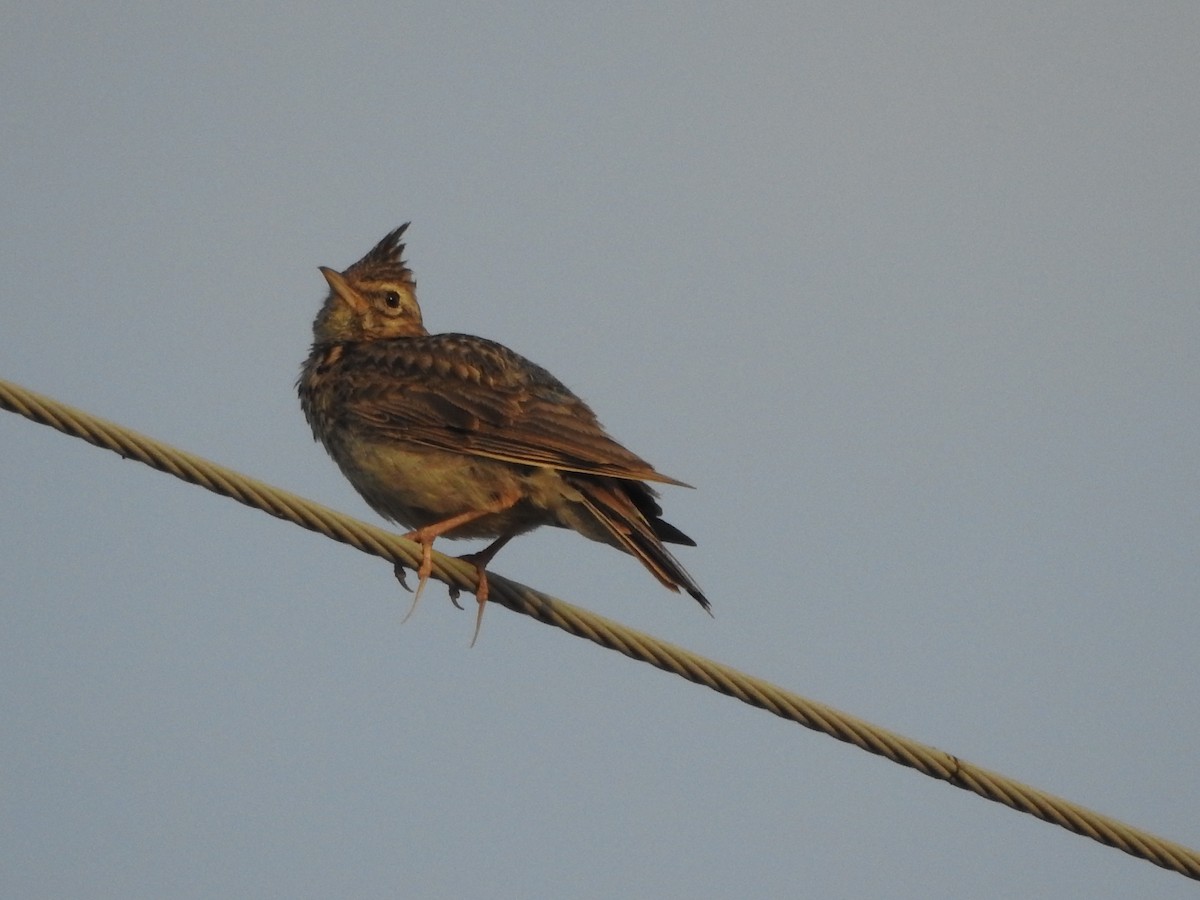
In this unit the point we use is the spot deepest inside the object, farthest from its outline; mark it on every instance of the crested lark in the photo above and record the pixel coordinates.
(456, 436)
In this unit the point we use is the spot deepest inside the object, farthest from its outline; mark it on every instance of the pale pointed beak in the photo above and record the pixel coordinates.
(343, 291)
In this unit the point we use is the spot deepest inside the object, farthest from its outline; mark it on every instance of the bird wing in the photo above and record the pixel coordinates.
(465, 394)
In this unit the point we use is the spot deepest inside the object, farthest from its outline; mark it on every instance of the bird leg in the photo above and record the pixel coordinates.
(426, 535)
(480, 560)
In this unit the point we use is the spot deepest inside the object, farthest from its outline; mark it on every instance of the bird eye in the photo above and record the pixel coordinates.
(392, 299)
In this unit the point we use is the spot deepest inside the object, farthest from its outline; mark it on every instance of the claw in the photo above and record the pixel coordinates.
(400, 577)
(481, 595)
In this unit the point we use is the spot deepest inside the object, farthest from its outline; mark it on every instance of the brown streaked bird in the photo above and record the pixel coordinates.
(456, 436)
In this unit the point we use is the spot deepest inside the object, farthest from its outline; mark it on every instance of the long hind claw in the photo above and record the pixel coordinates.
(423, 572)
(481, 595)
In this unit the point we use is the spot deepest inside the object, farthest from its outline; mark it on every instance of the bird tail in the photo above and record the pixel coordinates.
(631, 518)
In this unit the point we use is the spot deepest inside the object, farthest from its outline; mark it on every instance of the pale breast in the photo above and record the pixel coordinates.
(416, 487)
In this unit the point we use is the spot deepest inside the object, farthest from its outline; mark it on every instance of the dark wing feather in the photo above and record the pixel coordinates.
(469, 395)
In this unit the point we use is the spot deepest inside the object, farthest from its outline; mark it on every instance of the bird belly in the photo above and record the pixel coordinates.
(420, 486)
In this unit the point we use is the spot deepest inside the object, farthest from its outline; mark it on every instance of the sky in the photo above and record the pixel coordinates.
(909, 292)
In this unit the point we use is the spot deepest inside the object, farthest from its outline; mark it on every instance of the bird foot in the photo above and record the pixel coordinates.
(479, 561)
(423, 570)
(425, 537)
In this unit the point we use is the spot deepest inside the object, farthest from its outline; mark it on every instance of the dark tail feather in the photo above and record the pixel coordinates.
(630, 514)
(643, 497)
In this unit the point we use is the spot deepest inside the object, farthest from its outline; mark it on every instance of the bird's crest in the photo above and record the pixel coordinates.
(385, 261)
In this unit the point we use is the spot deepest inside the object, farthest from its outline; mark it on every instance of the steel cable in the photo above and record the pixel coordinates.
(612, 635)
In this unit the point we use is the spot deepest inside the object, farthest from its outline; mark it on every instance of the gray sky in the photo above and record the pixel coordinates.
(908, 291)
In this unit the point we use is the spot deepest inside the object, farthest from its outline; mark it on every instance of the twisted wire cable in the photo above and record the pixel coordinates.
(612, 635)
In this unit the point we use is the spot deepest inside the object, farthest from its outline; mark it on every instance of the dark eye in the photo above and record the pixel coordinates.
(392, 299)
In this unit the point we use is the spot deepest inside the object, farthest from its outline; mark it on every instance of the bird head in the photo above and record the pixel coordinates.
(374, 299)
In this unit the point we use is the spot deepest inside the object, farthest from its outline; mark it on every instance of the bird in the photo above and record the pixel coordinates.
(457, 436)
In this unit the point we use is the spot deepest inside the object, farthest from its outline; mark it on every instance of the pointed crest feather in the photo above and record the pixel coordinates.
(385, 261)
